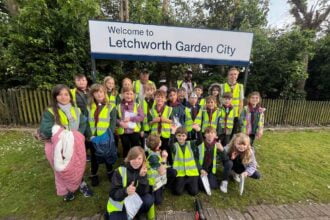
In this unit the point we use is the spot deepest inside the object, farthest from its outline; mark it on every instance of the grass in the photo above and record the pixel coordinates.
(294, 167)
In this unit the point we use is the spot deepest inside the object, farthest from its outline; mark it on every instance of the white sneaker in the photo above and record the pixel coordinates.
(224, 186)
(236, 177)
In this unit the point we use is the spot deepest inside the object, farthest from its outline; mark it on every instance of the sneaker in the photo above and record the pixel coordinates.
(69, 197)
(236, 177)
(85, 190)
(95, 180)
(224, 186)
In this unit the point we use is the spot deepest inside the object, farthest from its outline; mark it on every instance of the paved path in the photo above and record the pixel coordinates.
(259, 212)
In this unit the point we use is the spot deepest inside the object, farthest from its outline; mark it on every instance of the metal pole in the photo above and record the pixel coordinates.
(93, 70)
(246, 77)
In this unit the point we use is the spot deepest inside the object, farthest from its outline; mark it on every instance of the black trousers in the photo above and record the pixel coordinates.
(95, 161)
(237, 166)
(165, 146)
(190, 183)
(224, 138)
(212, 180)
(236, 127)
(128, 141)
(252, 138)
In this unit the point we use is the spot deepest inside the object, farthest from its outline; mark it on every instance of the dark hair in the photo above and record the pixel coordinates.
(172, 89)
(54, 104)
(199, 87)
(181, 130)
(79, 76)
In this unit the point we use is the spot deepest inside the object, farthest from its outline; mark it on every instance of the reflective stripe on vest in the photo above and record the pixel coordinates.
(201, 150)
(75, 112)
(206, 121)
(117, 206)
(152, 173)
(166, 127)
(230, 118)
(236, 95)
(138, 124)
(104, 119)
(185, 164)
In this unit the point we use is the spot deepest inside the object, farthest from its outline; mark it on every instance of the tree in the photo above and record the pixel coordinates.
(318, 82)
(309, 20)
(48, 43)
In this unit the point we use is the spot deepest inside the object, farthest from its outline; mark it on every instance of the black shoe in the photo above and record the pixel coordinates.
(95, 180)
(69, 197)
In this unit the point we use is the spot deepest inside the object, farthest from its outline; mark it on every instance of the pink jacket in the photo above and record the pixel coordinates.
(68, 170)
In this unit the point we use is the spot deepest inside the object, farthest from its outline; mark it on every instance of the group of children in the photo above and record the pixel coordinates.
(170, 137)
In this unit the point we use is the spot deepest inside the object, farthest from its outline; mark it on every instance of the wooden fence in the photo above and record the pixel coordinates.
(25, 107)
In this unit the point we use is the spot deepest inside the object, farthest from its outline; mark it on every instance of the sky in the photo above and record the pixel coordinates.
(279, 15)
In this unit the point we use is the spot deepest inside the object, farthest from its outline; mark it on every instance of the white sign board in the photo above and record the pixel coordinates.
(117, 40)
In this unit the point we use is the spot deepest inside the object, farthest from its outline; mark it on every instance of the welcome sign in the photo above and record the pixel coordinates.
(117, 40)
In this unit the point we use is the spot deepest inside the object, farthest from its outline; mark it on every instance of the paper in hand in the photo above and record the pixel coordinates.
(241, 185)
(133, 204)
(206, 185)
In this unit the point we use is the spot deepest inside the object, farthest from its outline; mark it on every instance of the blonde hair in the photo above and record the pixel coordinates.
(95, 88)
(150, 85)
(211, 98)
(114, 90)
(134, 152)
(241, 138)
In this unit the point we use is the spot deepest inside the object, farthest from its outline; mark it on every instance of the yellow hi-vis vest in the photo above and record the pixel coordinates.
(74, 95)
(202, 102)
(236, 95)
(117, 206)
(104, 119)
(137, 86)
(138, 125)
(206, 121)
(112, 99)
(146, 126)
(230, 120)
(166, 127)
(201, 151)
(75, 112)
(184, 164)
(189, 122)
(152, 173)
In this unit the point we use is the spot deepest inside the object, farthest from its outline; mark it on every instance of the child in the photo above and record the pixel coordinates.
(252, 117)
(226, 121)
(112, 93)
(148, 102)
(178, 108)
(128, 179)
(210, 115)
(130, 116)
(193, 116)
(63, 113)
(240, 159)
(182, 94)
(207, 152)
(156, 164)
(80, 93)
(102, 120)
(184, 162)
(199, 91)
(214, 91)
(159, 118)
